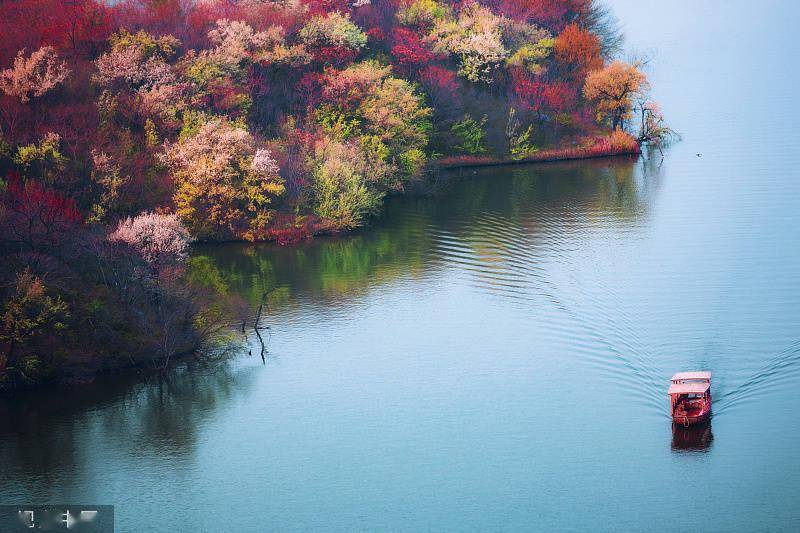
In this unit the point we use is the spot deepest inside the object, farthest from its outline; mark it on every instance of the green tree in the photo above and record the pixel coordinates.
(520, 144)
(42, 161)
(346, 183)
(28, 314)
(470, 134)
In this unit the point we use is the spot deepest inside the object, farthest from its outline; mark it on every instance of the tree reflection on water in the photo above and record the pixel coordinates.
(49, 441)
(404, 241)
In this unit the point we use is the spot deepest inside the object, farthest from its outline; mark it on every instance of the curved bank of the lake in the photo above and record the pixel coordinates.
(495, 357)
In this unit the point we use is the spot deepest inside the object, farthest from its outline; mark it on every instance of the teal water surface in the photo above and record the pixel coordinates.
(496, 357)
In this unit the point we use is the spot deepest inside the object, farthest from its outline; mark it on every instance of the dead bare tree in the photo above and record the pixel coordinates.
(257, 326)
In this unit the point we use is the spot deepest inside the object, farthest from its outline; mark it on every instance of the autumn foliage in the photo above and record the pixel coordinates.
(613, 89)
(578, 50)
(37, 217)
(217, 111)
(167, 104)
(131, 127)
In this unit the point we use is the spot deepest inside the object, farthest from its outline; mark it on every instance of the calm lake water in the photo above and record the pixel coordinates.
(497, 357)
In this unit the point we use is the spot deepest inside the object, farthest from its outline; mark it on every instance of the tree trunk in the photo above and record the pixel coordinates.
(9, 358)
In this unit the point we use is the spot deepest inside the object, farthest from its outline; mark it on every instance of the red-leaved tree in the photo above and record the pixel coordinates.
(542, 96)
(577, 51)
(35, 217)
(409, 49)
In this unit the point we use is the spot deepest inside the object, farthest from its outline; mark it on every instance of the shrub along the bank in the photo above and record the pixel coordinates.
(77, 301)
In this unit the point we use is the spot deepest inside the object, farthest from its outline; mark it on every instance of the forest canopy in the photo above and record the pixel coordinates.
(248, 117)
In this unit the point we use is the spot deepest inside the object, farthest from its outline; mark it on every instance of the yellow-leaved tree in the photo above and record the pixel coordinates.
(226, 187)
(613, 90)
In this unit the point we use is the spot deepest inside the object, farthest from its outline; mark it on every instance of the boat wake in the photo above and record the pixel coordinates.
(528, 261)
(781, 371)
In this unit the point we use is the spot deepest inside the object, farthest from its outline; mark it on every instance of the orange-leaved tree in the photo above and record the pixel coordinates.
(578, 50)
(613, 90)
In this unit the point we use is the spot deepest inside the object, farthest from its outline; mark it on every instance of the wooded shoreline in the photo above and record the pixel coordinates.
(130, 130)
(450, 164)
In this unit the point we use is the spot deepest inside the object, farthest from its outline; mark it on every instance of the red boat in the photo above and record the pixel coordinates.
(690, 397)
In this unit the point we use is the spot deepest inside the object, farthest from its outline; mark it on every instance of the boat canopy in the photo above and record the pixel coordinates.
(701, 375)
(688, 388)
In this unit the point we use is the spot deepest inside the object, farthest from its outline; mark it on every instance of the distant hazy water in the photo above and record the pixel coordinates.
(496, 358)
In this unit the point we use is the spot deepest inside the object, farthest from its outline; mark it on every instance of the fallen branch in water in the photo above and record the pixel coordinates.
(258, 333)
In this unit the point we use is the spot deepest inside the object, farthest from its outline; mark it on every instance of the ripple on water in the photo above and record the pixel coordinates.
(516, 262)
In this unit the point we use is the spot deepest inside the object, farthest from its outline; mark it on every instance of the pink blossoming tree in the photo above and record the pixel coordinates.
(35, 75)
(160, 239)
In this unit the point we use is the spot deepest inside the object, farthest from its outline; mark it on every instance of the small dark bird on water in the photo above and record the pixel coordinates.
(698, 155)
